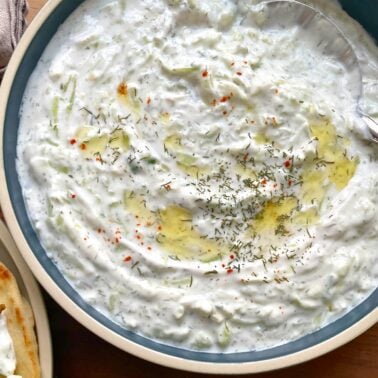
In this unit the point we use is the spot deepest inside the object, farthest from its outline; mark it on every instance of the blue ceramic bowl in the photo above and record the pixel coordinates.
(22, 65)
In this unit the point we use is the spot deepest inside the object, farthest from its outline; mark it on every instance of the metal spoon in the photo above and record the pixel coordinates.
(330, 40)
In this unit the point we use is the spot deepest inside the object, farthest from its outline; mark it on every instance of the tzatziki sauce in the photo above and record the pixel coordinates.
(200, 179)
(7, 353)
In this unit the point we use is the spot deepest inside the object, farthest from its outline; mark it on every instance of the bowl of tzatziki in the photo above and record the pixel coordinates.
(194, 184)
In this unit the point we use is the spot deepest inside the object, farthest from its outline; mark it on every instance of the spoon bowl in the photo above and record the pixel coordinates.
(329, 40)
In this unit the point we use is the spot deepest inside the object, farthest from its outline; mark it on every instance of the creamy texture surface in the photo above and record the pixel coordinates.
(199, 178)
(7, 353)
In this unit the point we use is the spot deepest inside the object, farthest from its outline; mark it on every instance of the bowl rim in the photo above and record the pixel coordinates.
(94, 325)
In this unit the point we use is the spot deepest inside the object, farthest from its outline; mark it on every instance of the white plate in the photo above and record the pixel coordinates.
(10, 256)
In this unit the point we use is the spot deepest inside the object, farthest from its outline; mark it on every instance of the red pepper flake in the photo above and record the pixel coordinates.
(148, 100)
(224, 98)
(159, 228)
(205, 73)
(122, 89)
(229, 271)
(232, 257)
(223, 265)
(99, 230)
(263, 182)
(127, 259)
(224, 112)
(287, 163)
(149, 248)
(239, 73)
(167, 187)
(73, 195)
(138, 237)
(83, 146)
(290, 182)
(73, 141)
(245, 157)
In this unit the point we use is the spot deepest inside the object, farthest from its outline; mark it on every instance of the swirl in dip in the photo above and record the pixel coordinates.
(198, 178)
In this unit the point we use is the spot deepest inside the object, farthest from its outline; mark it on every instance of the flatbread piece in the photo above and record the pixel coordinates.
(20, 324)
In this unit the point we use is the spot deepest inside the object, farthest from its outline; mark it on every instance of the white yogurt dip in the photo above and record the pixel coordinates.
(7, 353)
(199, 179)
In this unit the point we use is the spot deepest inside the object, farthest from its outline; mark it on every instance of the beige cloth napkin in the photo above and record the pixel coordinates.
(12, 25)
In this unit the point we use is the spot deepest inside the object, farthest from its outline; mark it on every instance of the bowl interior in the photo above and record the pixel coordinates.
(363, 13)
(29, 61)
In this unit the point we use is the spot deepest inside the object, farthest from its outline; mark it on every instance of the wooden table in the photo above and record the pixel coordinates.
(80, 354)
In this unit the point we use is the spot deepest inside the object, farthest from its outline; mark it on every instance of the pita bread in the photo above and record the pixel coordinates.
(20, 323)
